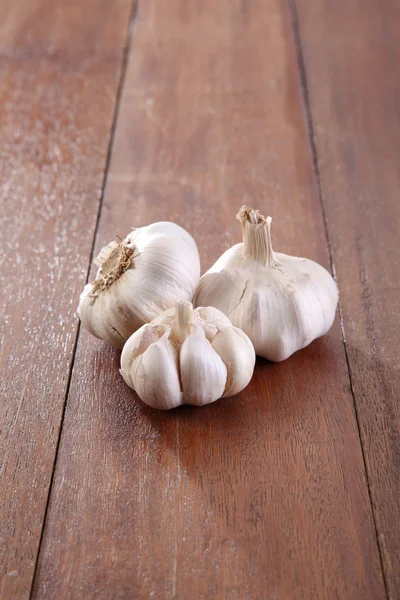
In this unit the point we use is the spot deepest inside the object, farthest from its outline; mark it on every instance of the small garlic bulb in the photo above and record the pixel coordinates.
(187, 356)
(282, 302)
(139, 277)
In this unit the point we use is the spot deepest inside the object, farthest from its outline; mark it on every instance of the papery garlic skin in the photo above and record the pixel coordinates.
(187, 356)
(281, 302)
(146, 273)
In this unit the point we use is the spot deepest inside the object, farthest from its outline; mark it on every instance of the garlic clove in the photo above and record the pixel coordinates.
(155, 375)
(135, 346)
(203, 373)
(213, 315)
(237, 353)
(212, 320)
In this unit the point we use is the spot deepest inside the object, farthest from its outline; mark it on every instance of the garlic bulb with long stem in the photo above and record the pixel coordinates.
(282, 302)
(139, 277)
(187, 356)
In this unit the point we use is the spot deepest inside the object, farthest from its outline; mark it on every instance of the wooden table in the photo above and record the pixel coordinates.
(115, 115)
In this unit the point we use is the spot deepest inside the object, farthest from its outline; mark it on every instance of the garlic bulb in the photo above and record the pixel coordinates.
(139, 277)
(187, 356)
(282, 302)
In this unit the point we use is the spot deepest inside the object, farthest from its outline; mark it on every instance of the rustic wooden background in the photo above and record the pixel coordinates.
(113, 115)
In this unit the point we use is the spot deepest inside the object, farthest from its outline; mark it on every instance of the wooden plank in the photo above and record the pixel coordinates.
(259, 496)
(60, 70)
(352, 57)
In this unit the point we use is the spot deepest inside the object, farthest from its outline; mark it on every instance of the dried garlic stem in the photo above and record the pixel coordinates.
(256, 230)
(183, 320)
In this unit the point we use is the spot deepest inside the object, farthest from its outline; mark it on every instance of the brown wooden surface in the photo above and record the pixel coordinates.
(59, 70)
(260, 496)
(291, 489)
(354, 90)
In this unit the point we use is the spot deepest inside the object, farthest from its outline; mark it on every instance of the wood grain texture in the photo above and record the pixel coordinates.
(59, 69)
(352, 58)
(262, 495)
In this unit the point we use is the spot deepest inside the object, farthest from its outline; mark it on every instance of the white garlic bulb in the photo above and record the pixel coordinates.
(139, 277)
(282, 302)
(187, 356)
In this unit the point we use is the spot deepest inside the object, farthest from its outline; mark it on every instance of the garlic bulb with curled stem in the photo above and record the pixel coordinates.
(139, 277)
(282, 302)
(187, 356)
